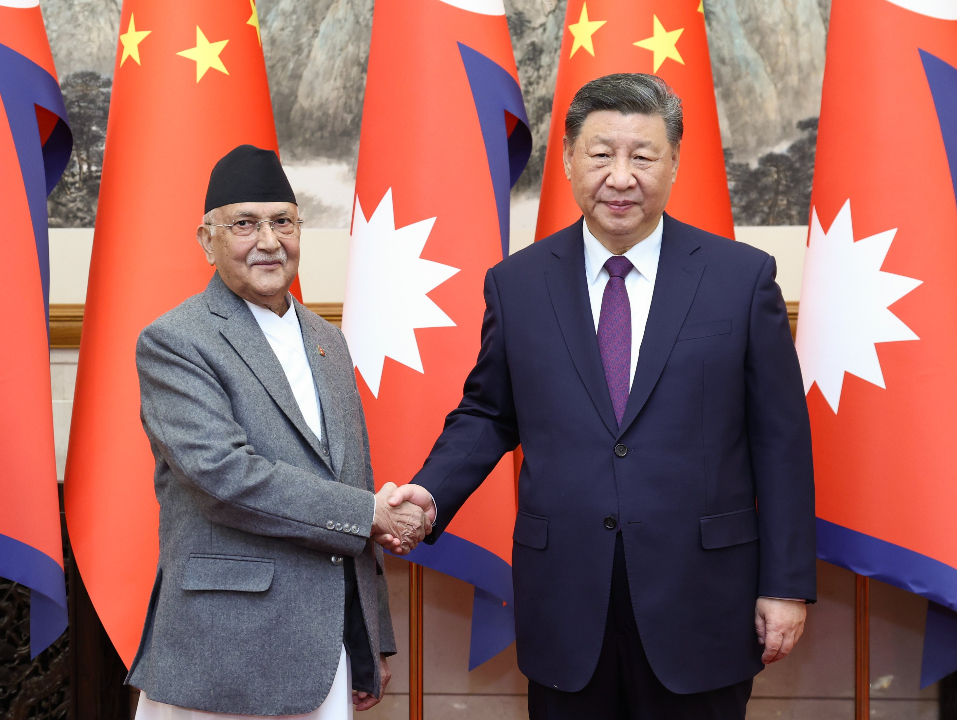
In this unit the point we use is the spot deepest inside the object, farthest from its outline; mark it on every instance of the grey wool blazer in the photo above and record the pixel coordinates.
(247, 612)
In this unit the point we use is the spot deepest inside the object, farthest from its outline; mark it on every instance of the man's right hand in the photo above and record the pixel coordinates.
(417, 495)
(398, 526)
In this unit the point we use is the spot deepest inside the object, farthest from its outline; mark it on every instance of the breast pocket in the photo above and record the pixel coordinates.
(531, 531)
(704, 330)
(238, 573)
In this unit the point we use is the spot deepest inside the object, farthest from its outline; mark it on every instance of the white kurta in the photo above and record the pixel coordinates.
(337, 705)
(285, 337)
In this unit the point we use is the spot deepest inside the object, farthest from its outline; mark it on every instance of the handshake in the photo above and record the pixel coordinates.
(403, 517)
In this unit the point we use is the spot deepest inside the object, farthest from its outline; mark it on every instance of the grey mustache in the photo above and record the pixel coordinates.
(256, 256)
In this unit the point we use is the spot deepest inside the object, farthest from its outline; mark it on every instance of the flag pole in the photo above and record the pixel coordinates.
(416, 573)
(862, 648)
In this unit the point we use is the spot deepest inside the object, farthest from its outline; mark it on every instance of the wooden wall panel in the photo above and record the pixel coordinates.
(66, 321)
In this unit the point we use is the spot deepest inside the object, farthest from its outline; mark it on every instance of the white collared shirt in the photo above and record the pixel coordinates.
(639, 282)
(285, 338)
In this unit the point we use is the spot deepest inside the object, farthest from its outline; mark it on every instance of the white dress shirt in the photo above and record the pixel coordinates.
(639, 282)
(285, 338)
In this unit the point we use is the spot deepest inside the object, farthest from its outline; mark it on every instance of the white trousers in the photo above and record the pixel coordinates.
(336, 706)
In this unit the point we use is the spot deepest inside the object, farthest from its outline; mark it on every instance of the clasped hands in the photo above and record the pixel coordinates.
(403, 517)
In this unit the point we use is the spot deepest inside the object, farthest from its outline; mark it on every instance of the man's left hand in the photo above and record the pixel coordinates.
(364, 700)
(780, 624)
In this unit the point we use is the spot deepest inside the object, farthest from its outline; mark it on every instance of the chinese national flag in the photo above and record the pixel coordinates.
(444, 137)
(664, 37)
(878, 322)
(189, 85)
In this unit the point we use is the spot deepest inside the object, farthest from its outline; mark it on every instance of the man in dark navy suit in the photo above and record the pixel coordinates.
(664, 547)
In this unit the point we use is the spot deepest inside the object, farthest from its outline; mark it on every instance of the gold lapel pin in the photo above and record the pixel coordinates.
(321, 351)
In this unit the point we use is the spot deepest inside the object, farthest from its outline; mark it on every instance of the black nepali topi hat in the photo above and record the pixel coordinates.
(248, 174)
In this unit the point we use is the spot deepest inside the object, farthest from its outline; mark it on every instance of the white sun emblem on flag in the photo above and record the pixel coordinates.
(844, 306)
(386, 286)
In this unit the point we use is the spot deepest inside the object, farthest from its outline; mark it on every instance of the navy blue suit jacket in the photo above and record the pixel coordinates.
(709, 478)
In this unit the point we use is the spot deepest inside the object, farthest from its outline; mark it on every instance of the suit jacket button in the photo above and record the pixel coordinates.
(330, 525)
(336, 560)
(611, 523)
(621, 450)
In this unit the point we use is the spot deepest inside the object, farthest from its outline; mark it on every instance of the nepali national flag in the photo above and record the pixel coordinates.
(877, 331)
(189, 85)
(35, 146)
(664, 37)
(444, 138)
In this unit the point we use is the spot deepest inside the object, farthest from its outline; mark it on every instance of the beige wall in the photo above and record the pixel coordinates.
(325, 252)
(815, 683)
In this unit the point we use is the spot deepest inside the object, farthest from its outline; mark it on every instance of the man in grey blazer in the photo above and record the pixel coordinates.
(270, 593)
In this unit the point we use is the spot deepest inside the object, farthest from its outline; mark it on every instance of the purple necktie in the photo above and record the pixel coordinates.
(614, 333)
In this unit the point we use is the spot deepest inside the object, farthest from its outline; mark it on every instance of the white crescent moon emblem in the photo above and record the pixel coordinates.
(940, 9)
(483, 7)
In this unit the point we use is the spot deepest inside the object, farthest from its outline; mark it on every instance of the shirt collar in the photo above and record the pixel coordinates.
(644, 256)
(268, 319)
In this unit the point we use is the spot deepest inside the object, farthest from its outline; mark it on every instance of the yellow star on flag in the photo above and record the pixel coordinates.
(663, 44)
(583, 30)
(131, 40)
(206, 55)
(254, 21)
(701, 7)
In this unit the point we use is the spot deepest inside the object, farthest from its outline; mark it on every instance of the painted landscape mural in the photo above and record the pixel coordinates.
(767, 58)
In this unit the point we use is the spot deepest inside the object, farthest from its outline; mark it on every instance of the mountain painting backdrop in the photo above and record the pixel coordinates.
(767, 58)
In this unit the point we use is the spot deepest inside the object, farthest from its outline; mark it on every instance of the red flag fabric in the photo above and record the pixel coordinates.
(35, 146)
(878, 317)
(444, 137)
(662, 37)
(189, 85)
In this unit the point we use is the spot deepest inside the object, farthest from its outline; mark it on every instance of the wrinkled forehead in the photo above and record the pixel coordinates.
(257, 210)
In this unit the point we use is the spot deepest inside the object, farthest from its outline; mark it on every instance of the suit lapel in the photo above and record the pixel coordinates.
(567, 288)
(246, 337)
(679, 273)
(314, 336)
